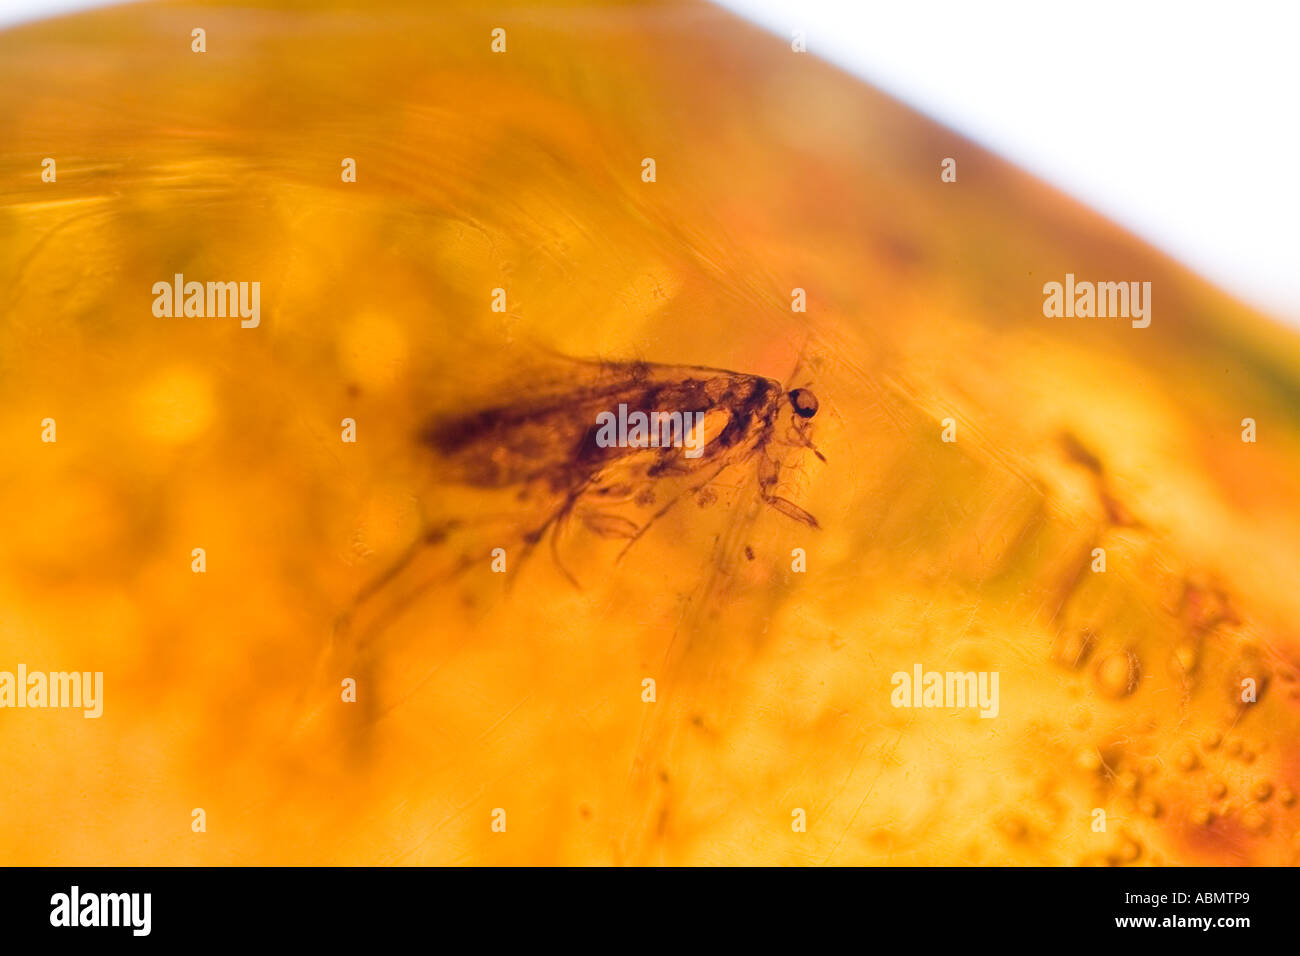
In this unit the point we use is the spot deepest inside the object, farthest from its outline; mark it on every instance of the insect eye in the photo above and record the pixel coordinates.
(804, 402)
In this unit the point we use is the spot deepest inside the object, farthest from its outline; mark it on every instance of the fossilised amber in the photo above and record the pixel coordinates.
(1066, 503)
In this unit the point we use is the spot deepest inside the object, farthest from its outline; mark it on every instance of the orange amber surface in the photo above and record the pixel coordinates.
(723, 690)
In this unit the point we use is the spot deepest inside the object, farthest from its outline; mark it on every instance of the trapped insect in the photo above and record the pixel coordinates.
(543, 461)
(636, 437)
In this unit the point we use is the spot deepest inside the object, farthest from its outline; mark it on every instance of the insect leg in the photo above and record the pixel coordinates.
(665, 509)
(768, 475)
(430, 536)
(791, 510)
(534, 537)
(347, 649)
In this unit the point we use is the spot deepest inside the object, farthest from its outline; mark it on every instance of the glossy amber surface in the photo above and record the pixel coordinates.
(524, 692)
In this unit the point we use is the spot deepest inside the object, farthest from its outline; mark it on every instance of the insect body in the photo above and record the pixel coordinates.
(555, 442)
(545, 452)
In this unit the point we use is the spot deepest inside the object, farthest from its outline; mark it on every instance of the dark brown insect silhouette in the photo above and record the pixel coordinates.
(548, 443)
(541, 449)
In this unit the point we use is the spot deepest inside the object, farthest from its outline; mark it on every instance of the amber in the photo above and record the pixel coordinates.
(721, 690)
